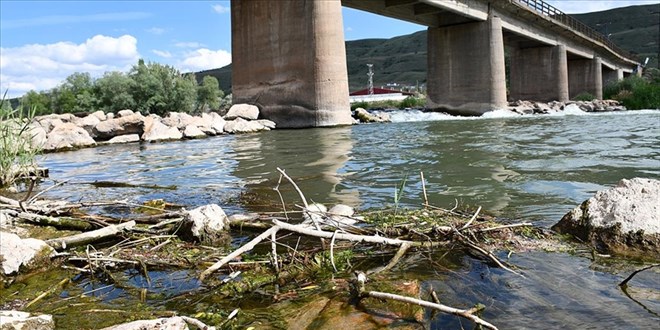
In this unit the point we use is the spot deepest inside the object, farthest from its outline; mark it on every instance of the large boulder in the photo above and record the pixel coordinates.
(170, 323)
(18, 254)
(67, 136)
(245, 111)
(624, 219)
(88, 123)
(155, 130)
(193, 132)
(179, 120)
(205, 224)
(128, 138)
(130, 124)
(15, 320)
(240, 125)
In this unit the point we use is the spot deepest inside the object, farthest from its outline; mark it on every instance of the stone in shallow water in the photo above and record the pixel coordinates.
(15, 320)
(624, 219)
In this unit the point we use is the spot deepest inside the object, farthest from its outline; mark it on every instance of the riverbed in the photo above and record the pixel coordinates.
(532, 168)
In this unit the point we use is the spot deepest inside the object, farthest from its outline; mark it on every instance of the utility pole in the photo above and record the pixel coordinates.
(371, 79)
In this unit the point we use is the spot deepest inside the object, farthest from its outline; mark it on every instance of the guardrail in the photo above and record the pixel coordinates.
(553, 13)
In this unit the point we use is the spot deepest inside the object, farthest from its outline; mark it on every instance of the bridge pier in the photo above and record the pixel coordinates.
(289, 59)
(466, 67)
(611, 76)
(585, 76)
(539, 73)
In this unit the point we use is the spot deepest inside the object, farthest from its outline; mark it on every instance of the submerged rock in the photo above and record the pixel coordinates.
(624, 219)
(205, 224)
(15, 320)
(170, 323)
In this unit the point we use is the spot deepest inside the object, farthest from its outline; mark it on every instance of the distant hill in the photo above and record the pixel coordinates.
(402, 59)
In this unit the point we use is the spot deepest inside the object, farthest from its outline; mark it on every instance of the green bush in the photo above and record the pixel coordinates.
(17, 155)
(636, 92)
(584, 96)
(409, 102)
(412, 102)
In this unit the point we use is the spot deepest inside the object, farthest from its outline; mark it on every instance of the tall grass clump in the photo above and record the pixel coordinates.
(17, 155)
(636, 92)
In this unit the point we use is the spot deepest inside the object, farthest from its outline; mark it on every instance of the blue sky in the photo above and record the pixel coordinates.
(42, 42)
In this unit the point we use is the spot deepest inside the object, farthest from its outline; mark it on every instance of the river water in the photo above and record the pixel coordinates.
(533, 168)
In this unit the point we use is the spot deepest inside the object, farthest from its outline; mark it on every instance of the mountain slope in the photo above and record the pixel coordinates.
(402, 59)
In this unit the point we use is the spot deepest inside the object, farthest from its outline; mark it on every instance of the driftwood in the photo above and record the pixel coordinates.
(63, 243)
(361, 293)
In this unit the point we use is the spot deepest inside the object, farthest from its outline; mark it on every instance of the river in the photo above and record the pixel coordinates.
(533, 168)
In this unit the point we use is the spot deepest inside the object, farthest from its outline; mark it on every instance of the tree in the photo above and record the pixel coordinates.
(114, 92)
(160, 89)
(209, 94)
(75, 94)
(40, 102)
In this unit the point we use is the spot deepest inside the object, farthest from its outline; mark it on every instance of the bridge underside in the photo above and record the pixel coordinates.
(289, 57)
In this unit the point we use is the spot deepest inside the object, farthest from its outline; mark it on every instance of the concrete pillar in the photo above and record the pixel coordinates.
(611, 76)
(289, 59)
(539, 74)
(466, 68)
(585, 76)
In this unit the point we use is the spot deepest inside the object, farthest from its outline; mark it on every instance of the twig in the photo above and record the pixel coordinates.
(277, 188)
(467, 224)
(362, 293)
(399, 254)
(57, 184)
(306, 230)
(247, 247)
(624, 283)
(467, 242)
(273, 246)
(81, 239)
(302, 197)
(426, 200)
(332, 256)
(50, 291)
(522, 224)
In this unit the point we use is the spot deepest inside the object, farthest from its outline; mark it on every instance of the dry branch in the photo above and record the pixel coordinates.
(89, 237)
(466, 313)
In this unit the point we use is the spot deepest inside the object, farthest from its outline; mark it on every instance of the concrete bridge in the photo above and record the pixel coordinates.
(289, 57)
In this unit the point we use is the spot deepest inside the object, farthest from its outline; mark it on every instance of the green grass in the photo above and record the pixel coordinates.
(17, 155)
(636, 92)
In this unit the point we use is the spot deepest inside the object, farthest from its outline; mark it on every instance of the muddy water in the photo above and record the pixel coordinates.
(531, 168)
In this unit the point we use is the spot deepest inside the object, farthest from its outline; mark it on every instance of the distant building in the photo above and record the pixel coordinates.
(380, 94)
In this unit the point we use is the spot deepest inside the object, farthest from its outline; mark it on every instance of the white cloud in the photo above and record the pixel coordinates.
(192, 44)
(220, 9)
(156, 30)
(205, 59)
(41, 67)
(162, 53)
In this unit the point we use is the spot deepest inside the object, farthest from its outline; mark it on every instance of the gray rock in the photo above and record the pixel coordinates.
(245, 111)
(67, 136)
(128, 138)
(15, 320)
(342, 214)
(217, 123)
(48, 123)
(17, 253)
(170, 323)
(240, 125)
(205, 224)
(624, 219)
(38, 134)
(179, 120)
(267, 123)
(133, 124)
(314, 212)
(109, 115)
(88, 123)
(364, 116)
(125, 113)
(155, 130)
(100, 115)
(193, 132)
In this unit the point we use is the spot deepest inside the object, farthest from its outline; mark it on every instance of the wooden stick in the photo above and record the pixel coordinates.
(399, 254)
(426, 199)
(522, 224)
(302, 197)
(31, 200)
(273, 246)
(195, 322)
(467, 224)
(84, 238)
(50, 291)
(332, 256)
(361, 278)
(247, 247)
(306, 230)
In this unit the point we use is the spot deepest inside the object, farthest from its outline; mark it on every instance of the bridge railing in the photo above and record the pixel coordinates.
(551, 12)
